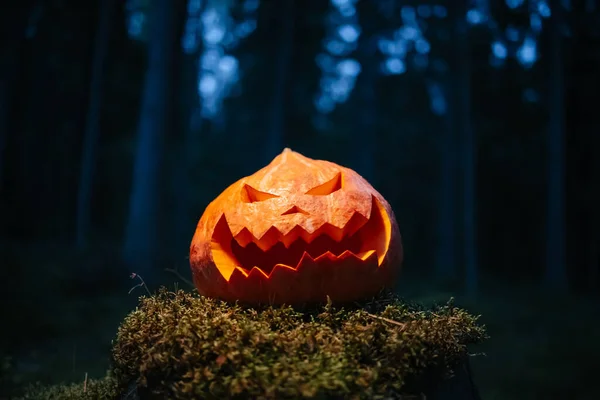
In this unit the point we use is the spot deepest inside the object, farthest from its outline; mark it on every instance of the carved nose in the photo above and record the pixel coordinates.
(294, 210)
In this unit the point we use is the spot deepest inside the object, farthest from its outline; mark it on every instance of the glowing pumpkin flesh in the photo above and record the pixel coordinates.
(296, 231)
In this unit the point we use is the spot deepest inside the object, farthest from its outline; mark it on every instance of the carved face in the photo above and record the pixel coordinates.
(296, 231)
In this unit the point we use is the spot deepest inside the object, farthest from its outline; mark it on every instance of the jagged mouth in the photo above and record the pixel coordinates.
(360, 238)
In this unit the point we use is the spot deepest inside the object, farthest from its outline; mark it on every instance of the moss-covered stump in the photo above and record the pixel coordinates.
(182, 346)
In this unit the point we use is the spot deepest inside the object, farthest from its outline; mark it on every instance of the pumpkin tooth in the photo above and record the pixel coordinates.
(305, 258)
(268, 240)
(241, 270)
(377, 232)
(258, 272)
(355, 222)
(244, 237)
(310, 229)
(333, 232)
(291, 236)
(329, 255)
(364, 255)
(282, 267)
(307, 237)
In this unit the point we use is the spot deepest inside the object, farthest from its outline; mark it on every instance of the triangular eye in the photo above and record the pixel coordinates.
(327, 187)
(251, 195)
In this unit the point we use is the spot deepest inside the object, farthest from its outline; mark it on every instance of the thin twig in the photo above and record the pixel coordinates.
(142, 284)
(85, 383)
(390, 321)
(181, 277)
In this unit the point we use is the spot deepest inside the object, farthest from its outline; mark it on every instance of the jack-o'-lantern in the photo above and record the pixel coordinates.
(296, 231)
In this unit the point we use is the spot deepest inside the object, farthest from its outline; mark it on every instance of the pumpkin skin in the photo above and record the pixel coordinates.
(295, 232)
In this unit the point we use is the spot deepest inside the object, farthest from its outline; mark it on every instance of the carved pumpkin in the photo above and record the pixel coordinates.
(296, 231)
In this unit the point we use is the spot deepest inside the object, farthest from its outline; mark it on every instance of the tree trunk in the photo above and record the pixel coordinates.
(445, 263)
(364, 143)
(15, 23)
(35, 86)
(142, 228)
(187, 148)
(9, 64)
(275, 140)
(555, 272)
(594, 225)
(468, 144)
(593, 262)
(90, 140)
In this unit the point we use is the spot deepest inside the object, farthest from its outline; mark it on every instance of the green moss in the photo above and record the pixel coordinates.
(180, 345)
(97, 389)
